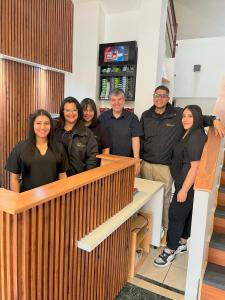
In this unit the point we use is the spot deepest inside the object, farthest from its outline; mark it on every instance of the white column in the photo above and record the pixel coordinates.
(151, 51)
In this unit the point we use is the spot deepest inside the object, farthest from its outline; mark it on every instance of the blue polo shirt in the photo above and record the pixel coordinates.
(121, 131)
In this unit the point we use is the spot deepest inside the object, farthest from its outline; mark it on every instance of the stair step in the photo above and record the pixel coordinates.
(215, 276)
(222, 188)
(217, 249)
(220, 212)
(219, 220)
(221, 194)
(218, 241)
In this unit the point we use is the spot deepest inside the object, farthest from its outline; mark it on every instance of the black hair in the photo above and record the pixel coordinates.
(90, 102)
(162, 87)
(197, 118)
(32, 135)
(117, 92)
(76, 103)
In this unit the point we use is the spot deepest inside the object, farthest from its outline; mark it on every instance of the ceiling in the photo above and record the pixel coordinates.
(196, 18)
(200, 18)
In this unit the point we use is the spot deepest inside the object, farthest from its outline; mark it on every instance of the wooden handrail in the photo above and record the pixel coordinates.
(207, 168)
(171, 26)
(14, 203)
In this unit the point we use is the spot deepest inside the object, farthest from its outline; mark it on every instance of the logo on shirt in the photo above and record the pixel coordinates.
(79, 144)
(170, 125)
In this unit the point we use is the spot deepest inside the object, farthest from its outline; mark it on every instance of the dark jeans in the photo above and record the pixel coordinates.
(180, 214)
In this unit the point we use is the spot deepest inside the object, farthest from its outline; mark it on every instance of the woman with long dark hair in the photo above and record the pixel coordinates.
(185, 161)
(39, 159)
(90, 118)
(77, 139)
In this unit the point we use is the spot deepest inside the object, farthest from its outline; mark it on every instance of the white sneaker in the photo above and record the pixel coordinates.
(181, 249)
(164, 259)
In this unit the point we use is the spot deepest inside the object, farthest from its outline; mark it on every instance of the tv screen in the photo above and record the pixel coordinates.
(122, 53)
(116, 53)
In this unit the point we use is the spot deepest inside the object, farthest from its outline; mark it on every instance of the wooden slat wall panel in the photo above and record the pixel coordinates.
(50, 266)
(40, 31)
(23, 89)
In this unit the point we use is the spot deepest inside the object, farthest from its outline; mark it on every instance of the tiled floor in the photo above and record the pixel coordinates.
(173, 276)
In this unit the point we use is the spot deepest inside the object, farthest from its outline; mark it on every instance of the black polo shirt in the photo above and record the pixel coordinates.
(121, 131)
(36, 169)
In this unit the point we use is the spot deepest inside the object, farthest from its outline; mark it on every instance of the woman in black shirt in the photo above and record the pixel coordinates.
(185, 161)
(39, 159)
(77, 139)
(90, 118)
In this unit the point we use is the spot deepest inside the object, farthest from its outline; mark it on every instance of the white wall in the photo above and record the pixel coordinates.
(147, 26)
(206, 104)
(121, 27)
(209, 53)
(92, 26)
(88, 31)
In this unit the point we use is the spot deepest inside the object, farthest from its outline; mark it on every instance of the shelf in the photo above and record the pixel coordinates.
(107, 99)
(118, 74)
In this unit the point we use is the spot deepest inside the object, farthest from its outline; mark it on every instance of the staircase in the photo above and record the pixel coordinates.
(213, 286)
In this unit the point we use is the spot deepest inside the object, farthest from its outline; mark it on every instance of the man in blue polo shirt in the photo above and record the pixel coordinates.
(123, 127)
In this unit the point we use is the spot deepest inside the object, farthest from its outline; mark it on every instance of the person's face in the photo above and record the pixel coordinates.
(117, 103)
(187, 119)
(42, 126)
(88, 114)
(70, 113)
(160, 98)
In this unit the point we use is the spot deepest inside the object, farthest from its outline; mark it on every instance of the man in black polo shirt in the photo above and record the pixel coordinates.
(162, 128)
(123, 127)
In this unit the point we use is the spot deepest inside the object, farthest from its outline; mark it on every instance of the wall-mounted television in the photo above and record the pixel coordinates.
(123, 53)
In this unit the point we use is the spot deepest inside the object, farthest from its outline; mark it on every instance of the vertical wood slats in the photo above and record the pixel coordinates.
(40, 31)
(23, 89)
(50, 266)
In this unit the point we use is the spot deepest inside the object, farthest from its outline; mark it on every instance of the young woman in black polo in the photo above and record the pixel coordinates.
(90, 118)
(39, 159)
(78, 140)
(185, 161)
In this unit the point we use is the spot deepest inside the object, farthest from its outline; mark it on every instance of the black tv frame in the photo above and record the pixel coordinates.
(132, 59)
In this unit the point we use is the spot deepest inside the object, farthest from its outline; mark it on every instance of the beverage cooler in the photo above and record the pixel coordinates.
(118, 65)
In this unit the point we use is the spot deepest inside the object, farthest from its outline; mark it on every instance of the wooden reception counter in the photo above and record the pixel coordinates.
(40, 230)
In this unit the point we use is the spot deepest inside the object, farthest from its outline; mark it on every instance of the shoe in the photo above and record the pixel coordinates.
(163, 242)
(181, 249)
(164, 259)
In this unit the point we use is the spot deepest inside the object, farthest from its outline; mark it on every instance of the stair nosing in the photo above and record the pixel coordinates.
(219, 245)
(211, 270)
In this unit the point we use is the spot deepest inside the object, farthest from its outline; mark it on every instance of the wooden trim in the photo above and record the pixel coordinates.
(219, 225)
(14, 203)
(221, 199)
(207, 168)
(209, 292)
(216, 256)
(39, 243)
(38, 31)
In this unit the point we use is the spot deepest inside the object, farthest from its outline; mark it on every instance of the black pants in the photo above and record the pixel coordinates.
(180, 214)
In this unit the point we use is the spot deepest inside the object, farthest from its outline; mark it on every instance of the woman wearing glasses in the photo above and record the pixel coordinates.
(77, 139)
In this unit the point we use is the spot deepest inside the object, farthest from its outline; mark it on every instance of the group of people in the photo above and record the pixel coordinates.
(169, 140)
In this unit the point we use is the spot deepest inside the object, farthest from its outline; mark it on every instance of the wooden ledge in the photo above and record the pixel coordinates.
(207, 168)
(94, 238)
(14, 203)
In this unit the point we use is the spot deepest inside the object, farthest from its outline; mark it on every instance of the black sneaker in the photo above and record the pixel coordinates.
(164, 259)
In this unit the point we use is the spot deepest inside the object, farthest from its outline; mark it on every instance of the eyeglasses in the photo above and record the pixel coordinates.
(70, 110)
(163, 96)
